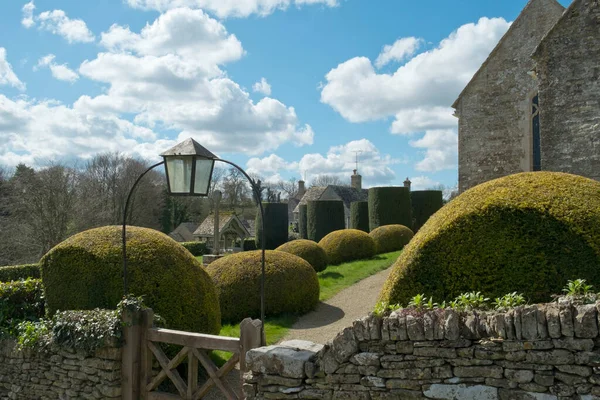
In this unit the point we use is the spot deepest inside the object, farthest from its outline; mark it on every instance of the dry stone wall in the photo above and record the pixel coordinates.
(59, 373)
(548, 351)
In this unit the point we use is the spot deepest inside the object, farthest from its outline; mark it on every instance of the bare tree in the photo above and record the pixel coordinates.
(326, 180)
(236, 190)
(289, 187)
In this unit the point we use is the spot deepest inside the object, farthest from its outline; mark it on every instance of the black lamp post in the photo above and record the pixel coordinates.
(189, 167)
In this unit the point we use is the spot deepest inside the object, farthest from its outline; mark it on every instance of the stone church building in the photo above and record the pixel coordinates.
(535, 102)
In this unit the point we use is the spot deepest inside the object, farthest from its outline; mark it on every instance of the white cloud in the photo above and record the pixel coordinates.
(27, 20)
(441, 150)
(399, 51)
(432, 78)
(58, 23)
(341, 161)
(262, 87)
(269, 165)
(228, 8)
(157, 80)
(59, 71)
(422, 183)
(419, 93)
(7, 75)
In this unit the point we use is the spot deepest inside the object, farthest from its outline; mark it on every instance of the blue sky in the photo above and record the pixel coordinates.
(283, 87)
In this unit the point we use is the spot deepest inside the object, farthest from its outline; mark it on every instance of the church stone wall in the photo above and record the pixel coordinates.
(494, 110)
(568, 68)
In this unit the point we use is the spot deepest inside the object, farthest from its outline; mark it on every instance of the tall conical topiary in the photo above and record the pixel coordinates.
(424, 203)
(302, 221)
(323, 217)
(389, 206)
(359, 215)
(276, 225)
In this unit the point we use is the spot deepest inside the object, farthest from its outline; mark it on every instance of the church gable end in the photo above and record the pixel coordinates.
(568, 70)
(494, 110)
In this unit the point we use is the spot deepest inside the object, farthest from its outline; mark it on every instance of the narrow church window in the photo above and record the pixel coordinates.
(535, 129)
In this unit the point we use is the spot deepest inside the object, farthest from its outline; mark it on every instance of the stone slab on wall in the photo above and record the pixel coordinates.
(59, 373)
(549, 351)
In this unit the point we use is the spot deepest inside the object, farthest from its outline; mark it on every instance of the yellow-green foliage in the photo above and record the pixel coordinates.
(307, 250)
(85, 272)
(528, 232)
(391, 238)
(291, 284)
(18, 272)
(347, 245)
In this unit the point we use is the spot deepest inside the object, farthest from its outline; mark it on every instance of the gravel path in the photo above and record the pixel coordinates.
(333, 315)
(328, 318)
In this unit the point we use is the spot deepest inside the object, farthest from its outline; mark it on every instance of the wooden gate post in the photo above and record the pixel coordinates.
(130, 355)
(250, 338)
(145, 353)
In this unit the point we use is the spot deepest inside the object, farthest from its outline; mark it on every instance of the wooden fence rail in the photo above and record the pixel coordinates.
(142, 347)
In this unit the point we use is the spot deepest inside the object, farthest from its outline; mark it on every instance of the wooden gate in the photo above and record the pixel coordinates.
(142, 347)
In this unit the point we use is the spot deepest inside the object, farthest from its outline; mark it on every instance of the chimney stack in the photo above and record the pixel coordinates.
(407, 183)
(356, 181)
(301, 189)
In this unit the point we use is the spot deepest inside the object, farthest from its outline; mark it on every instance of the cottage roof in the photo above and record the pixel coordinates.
(348, 194)
(207, 227)
(184, 232)
(527, 9)
(249, 224)
(314, 193)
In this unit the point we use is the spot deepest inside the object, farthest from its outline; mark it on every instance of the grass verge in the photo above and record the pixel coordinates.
(332, 281)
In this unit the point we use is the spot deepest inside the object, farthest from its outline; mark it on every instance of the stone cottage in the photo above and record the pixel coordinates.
(347, 194)
(533, 105)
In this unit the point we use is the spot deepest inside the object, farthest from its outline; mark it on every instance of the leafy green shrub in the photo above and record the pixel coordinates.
(470, 301)
(276, 225)
(391, 238)
(389, 206)
(249, 245)
(347, 245)
(323, 217)
(196, 248)
(85, 272)
(529, 232)
(20, 301)
(291, 284)
(303, 221)
(424, 203)
(508, 301)
(18, 272)
(307, 250)
(359, 215)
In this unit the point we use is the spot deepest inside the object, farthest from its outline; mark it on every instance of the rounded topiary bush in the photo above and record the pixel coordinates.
(528, 232)
(276, 225)
(291, 284)
(86, 271)
(347, 245)
(391, 238)
(359, 215)
(388, 206)
(307, 250)
(323, 217)
(425, 203)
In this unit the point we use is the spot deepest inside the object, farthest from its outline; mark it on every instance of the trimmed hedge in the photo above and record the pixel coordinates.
(425, 203)
(291, 284)
(85, 272)
(303, 221)
(323, 217)
(20, 301)
(276, 225)
(18, 272)
(249, 245)
(359, 215)
(391, 238)
(528, 232)
(389, 206)
(196, 248)
(307, 250)
(347, 245)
